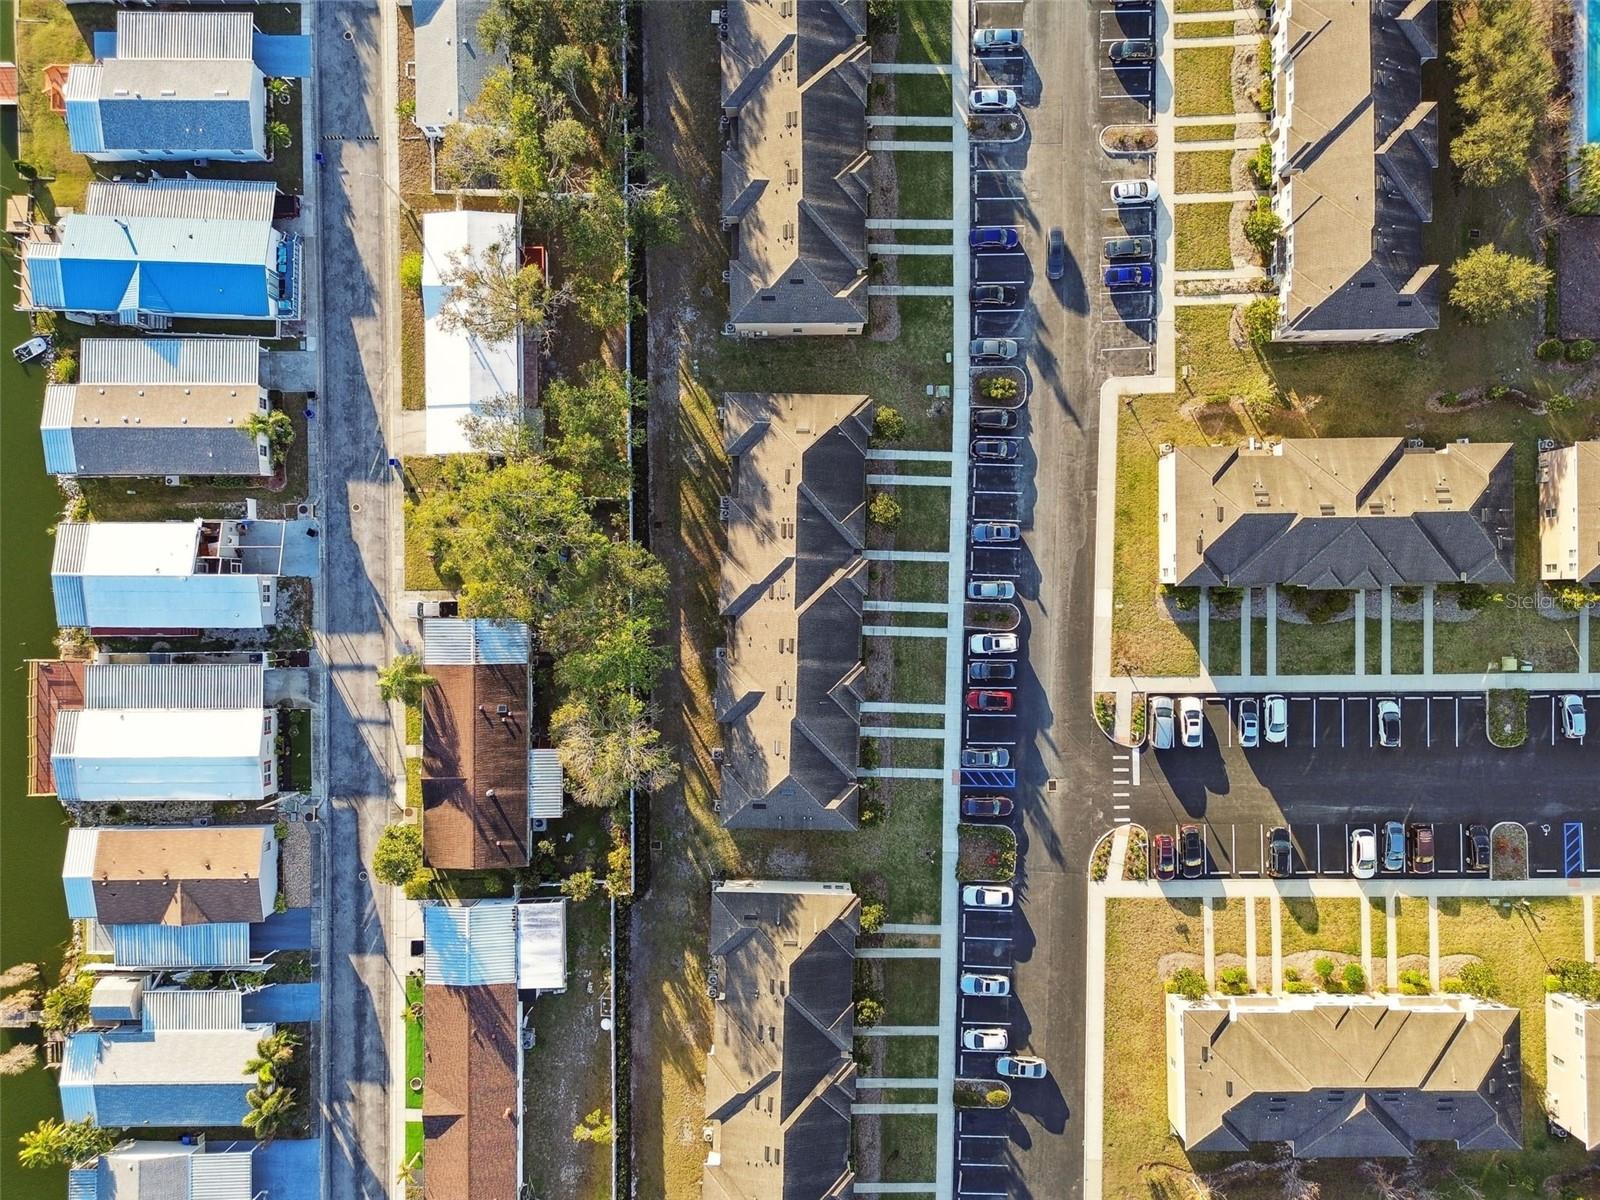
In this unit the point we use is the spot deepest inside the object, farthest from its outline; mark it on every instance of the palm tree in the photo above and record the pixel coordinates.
(277, 427)
(279, 135)
(273, 1055)
(53, 1143)
(405, 680)
(278, 90)
(270, 1111)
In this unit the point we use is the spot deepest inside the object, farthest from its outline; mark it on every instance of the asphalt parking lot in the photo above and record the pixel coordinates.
(1332, 777)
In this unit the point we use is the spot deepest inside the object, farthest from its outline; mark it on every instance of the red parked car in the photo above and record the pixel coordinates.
(988, 700)
(1166, 856)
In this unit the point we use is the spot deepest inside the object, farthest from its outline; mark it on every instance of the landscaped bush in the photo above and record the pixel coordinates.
(64, 369)
(1261, 319)
(1296, 987)
(1550, 349)
(1560, 404)
(1319, 607)
(1262, 227)
(999, 387)
(872, 914)
(869, 1011)
(1260, 165)
(1105, 711)
(986, 854)
(1413, 983)
(1355, 979)
(884, 510)
(1188, 983)
(1579, 351)
(1233, 980)
(411, 271)
(1184, 599)
(1575, 977)
(888, 425)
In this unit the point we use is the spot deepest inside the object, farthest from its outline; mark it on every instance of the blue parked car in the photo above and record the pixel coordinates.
(993, 237)
(1136, 276)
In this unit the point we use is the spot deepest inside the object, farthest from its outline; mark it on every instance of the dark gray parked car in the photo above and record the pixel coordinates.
(1135, 249)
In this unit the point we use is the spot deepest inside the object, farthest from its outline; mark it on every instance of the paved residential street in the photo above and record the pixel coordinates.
(356, 501)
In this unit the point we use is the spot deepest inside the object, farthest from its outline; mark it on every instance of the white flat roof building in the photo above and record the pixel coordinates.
(462, 372)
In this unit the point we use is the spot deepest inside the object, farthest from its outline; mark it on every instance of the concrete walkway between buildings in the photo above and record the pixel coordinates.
(911, 249)
(891, 1109)
(1230, 39)
(944, 223)
(883, 68)
(937, 556)
(1391, 940)
(913, 289)
(877, 454)
(890, 732)
(1277, 944)
(1232, 298)
(1360, 664)
(1238, 118)
(1220, 274)
(1245, 631)
(1208, 921)
(1366, 942)
(899, 772)
(1214, 197)
(898, 952)
(881, 1082)
(1386, 610)
(873, 707)
(899, 1031)
(1250, 941)
(912, 930)
(909, 480)
(896, 145)
(1221, 14)
(924, 631)
(905, 606)
(895, 1189)
(1433, 943)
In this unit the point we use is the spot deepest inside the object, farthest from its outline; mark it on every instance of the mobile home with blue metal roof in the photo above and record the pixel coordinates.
(143, 253)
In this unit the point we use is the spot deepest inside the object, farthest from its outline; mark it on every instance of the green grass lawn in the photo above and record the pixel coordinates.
(1319, 923)
(414, 784)
(924, 516)
(924, 31)
(1328, 649)
(1502, 629)
(1223, 131)
(413, 724)
(911, 581)
(918, 670)
(1200, 29)
(1203, 171)
(1227, 926)
(414, 1047)
(1405, 647)
(924, 179)
(1201, 6)
(910, 1057)
(910, 991)
(926, 270)
(922, 96)
(1203, 84)
(908, 1142)
(1201, 233)
(1226, 637)
(50, 32)
(1258, 643)
(414, 1140)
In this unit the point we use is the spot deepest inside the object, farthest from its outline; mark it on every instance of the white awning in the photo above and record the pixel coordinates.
(546, 784)
(542, 945)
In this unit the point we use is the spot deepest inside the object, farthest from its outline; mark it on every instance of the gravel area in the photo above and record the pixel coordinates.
(294, 865)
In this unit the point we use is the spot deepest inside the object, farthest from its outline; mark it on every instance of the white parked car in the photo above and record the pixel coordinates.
(1389, 723)
(1249, 723)
(1363, 853)
(973, 984)
(1277, 719)
(984, 1039)
(992, 643)
(987, 895)
(1574, 720)
(993, 100)
(1192, 722)
(1161, 722)
(1134, 191)
(991, 589)
(1020, 1066)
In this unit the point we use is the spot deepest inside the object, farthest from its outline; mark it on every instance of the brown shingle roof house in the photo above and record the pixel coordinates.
(795, 181)
(1335, 513)
(1342, 1076)
(472, 1104)
(780, 1078)
(1354, 155)
(171, 875)
(793, 587)
(475, 766)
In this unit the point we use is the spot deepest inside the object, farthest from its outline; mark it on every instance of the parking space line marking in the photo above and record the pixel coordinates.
(1341, 724)
(1458, 720)
(1427, 735)
(1319, 848)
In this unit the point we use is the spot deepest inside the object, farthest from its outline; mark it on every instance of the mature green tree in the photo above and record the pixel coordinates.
(1491, 284)
(1506, 79)
(398, 854)
(277, 427)
(608, 746)
(66, 1006)
(405, 679)
(53, 1143)
(607, 583)
(507, 535)
(473, 154)
(590, 419)
(491, 297)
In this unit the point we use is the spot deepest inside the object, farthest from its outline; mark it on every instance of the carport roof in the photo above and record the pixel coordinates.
(1336, 513)
(1341, 1077)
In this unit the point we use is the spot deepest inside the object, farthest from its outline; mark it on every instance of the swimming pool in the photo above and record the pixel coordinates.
(1591, 73)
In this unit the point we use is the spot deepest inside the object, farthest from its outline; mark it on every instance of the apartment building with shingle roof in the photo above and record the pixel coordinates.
(795, 167)
(1354, 149)
(1335, 513)
(780, 1076)
(793, 587)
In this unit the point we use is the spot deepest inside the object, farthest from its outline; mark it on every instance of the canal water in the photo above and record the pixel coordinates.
(33, 915)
